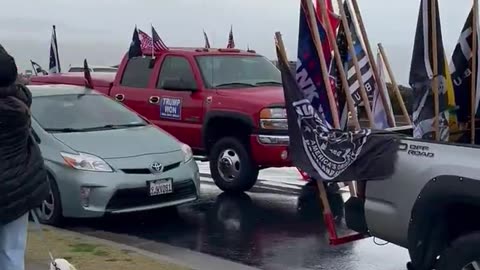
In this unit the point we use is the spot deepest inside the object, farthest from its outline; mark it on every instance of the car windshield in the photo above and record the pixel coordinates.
(230, 71)
(85, 112)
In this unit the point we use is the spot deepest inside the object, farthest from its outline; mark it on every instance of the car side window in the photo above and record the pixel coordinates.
(176, 71)
(137, 72)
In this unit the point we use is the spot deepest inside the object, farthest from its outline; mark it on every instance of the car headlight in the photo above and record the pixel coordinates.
(187, 152)
(274, 119)
(86, 162)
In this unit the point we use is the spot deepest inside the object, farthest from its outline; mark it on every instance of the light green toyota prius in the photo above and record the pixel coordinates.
(104, 158)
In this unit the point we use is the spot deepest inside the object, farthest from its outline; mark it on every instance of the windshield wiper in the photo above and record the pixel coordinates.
(268, 83)
(68, 130)
(63, 130)
(234, 84)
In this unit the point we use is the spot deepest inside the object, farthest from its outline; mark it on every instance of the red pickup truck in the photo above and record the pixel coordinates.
(227, 104)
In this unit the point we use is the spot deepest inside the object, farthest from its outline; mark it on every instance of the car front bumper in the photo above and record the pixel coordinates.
(120, 192)
(270, 150)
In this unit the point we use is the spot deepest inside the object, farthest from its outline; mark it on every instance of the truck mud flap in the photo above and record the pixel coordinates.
(355, 215)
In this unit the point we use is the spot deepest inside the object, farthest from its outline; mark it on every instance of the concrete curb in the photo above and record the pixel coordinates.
(159, 251)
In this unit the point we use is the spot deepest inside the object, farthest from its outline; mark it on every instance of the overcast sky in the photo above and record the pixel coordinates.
(100, 30)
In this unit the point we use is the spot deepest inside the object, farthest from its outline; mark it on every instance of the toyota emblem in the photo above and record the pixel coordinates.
(157, 167)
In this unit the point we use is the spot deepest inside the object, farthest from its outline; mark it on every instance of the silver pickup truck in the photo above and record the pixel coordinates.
(429, 205)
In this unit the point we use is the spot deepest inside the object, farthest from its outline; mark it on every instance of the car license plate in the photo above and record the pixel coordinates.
(160, 187)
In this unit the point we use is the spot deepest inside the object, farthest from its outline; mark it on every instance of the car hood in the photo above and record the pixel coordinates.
(119, 143)
(263, 95)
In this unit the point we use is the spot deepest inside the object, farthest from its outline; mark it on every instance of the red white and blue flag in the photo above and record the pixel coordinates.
(309, 72)
(148, 43)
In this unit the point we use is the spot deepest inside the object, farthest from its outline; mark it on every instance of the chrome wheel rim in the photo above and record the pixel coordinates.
(45, 211)
(475, 265)
(229, 165)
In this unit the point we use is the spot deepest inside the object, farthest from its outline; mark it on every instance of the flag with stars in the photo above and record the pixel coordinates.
(158, 43)
(54, 62)
(309, 72)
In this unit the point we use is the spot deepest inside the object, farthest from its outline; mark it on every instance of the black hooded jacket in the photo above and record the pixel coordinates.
(23, 179)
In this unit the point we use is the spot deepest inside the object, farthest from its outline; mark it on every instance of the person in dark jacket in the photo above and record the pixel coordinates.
(23, 178)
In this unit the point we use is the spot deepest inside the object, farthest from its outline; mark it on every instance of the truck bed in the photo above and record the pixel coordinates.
(389, 203)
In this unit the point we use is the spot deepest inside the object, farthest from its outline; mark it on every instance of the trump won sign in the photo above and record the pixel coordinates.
(171, 108)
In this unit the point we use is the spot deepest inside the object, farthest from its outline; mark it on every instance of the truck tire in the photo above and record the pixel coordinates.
(231, 166)
(463, 253)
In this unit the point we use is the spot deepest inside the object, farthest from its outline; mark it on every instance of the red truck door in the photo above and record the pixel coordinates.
(133, 87)
(180, 107)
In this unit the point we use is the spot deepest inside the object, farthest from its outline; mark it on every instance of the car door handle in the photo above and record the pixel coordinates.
(154, 100)
(120, 97)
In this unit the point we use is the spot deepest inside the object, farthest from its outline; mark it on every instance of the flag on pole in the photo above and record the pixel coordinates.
(309, 72)
(461, 71)
(54, 62)
(145, 40)
(350, 71)
(231, 41)
(421, 77)
(334, 19)
(327, 154)
(158, 43)
(87, 75)
(135, 49)
(379, 112)
(38, 69)
(207, 42)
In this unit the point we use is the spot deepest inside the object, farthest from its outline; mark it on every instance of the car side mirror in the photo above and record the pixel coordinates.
(178, 85)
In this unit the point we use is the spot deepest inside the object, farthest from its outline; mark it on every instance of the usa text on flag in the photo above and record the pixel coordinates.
(327, 154)
(461, 71)
(309, 73)
(421, 76)
(54, 62)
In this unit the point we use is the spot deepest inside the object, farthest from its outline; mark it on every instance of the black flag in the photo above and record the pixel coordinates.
(421, 76)
(87, 75)
(135, 46)
(461, 71)
(332, 155)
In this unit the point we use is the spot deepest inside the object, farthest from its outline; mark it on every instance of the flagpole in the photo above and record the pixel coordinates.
(343, 77)
(433, 22)
(327, 211)
(153, 43)
(473, 92)
(376, 73)
(318, 45)
(363, 92)
(338, 60)
(395, 85)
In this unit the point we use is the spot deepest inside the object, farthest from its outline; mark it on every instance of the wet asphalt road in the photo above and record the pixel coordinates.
(271, 227)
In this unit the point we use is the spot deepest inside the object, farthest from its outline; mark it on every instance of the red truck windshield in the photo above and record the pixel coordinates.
(231, 71)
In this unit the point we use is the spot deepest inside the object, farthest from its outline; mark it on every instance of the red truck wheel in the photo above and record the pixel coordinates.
(231, 165)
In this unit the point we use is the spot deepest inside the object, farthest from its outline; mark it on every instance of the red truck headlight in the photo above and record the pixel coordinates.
(273, 119)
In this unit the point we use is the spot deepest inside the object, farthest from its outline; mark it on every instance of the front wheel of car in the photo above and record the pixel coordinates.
(462, 254)
(231, 165)
(50, 212)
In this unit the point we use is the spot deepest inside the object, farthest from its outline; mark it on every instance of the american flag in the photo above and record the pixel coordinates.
(54, 62)
(231, 41)
(158, 43)
(147, 41)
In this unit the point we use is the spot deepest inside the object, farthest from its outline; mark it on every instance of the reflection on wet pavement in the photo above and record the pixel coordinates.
(268, 230)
